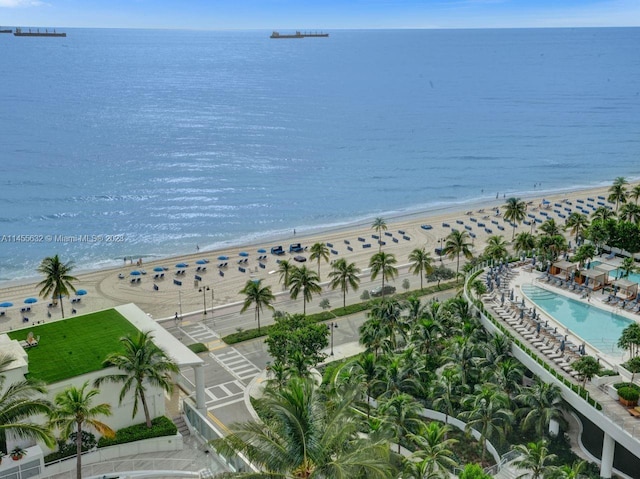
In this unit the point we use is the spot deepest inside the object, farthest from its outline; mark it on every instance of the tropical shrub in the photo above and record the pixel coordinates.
(628, 394)
(160, 426)
(198, 348)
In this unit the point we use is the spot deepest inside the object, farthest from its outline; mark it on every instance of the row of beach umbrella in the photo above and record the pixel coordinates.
(8, 304)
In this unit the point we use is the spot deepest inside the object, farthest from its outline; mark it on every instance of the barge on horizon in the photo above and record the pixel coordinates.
(299, 35)
(38, 33)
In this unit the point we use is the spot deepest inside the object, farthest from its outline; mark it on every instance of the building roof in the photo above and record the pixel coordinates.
(565, 265)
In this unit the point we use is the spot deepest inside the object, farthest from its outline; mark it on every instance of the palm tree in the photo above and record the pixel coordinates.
(515, 212)
(372, 336)
(389, 313)
(18, 404)
(535, 459)
(524, 242)
(630, 212)
(602, 213)
(75, 409)
(401, 412)
(58, 280)
(435, 455)
(496, 248)
(380, 225)
(577, 223)
(383, 264)
(319, 251)
(365, 369)
(550, 228)
(574, 471)
(628, 266)
(457, 243)
(344, 275)
(284, 269)
(508, 375)
(421, 263)
(541, 403)
(446, 392)
(142, 362)
(258, 295)
(304, 436)
(618, 192)
(304, 281)
(635, 193)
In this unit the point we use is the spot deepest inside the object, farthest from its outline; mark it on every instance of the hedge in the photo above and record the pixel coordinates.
(253, 333)
(160, 426)
(198, 348)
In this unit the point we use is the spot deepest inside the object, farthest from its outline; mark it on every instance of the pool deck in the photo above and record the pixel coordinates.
(547, 345)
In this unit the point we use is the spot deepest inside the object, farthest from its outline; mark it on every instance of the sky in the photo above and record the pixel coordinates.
(318, 14)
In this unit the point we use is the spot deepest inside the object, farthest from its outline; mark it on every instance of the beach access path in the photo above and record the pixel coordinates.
(112, 287)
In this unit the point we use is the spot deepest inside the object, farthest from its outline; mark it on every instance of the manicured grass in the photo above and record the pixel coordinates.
(74, 346)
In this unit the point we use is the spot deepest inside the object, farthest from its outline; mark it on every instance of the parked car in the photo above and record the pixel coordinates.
(378, 291)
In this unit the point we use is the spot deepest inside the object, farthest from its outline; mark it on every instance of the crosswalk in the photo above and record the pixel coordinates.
(239, 366)
(199, 332)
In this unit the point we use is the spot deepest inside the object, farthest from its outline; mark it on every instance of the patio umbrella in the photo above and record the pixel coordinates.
(135, 272)
(498, 281)
(262, 250)
(81, 292)
(502, 299)
(244, 254)
(511, 296)
(533, 263)
(523, 301)
(562, 345)
(182, 265)
(538, 328)
(223, 258)
(522, 314)
(30, 300)
(158, 269)
(202, 261)
(6, 304)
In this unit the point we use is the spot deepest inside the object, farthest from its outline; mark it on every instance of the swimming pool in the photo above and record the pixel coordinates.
(596, 326)
(635, 277)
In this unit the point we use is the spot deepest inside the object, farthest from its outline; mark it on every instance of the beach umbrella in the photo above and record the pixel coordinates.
(182, 265)
(81, 292)
(522, 302)
(244, 254)
(6, 304)
(588, 263)
(502, 299)
(30, 300)
(562, 345)
(511, 296)
(135, 272)
(202, 261)
(498, 281)
(522, 314)
(157, 269)
(223, 258)
(538, 328)
(262, 250)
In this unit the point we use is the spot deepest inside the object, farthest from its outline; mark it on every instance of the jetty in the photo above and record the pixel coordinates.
(38, 33)
(299, 35)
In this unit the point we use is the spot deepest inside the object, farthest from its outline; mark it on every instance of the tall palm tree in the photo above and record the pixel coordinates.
(372, 336)
(344, 275)
(508, 375)
(304, 436)
(401, 412)
(380, 225)
(421, 263)
(550, 228)
(142, 362)
(319, 251)
(541, 403)
(496, 248)
(515, 212)
(75, 409)
(635, 193)
(535, 459)
(435, 455)
(618, 192)
(259, 296)
(365, 369)
(383, 264)
(304, 281)
(457, 243)
(602, 213)
(284, 270)
(57, 281)
(577, 223)
(524, 242)
(18, 402)
(389, 313)
(628, 266)
(630, 212)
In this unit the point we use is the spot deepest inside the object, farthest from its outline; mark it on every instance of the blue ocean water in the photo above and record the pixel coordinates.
(173, 139)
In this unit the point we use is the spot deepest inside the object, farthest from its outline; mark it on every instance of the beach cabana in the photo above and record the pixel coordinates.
(629, 289)
(563, 268)
(607, 268)
(592, 278)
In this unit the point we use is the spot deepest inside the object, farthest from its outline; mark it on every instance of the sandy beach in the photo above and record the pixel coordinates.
(112, 287)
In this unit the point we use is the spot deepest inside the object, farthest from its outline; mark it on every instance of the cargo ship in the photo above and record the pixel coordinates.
(38, 33)
(299, 35)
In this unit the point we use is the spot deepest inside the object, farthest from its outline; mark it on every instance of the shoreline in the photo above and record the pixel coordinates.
(109, 287)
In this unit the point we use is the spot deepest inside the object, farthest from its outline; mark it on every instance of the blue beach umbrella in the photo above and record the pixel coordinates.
(157, 269)
(81, 292)
(6, 304)
(182, 265)
(202, 261)
(135, 272)
(262, 250)
(30, 300)
(223, 258)
(244, 254)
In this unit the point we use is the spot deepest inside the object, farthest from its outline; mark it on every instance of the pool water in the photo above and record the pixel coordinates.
(635, 277)
(600, 328)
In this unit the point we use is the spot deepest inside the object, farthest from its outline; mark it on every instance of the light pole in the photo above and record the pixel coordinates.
(440, 250)
(332, 325)
(211, 299)
(204, 290)
(180, 302)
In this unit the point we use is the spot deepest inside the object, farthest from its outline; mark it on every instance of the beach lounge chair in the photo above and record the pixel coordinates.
(2, 313)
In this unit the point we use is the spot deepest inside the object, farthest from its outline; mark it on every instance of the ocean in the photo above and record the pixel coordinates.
(148, 143)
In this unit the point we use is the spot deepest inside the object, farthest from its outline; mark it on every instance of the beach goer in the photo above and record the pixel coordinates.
(197, 248)
(125, 260)
(294, 232)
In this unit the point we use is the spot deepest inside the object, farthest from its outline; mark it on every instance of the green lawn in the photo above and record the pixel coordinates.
(74, 346)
